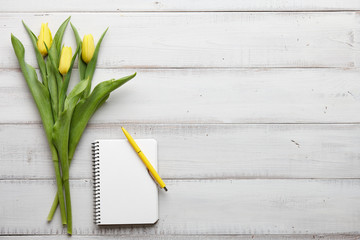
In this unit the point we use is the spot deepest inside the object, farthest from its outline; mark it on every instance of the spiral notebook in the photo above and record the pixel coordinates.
(124, 191)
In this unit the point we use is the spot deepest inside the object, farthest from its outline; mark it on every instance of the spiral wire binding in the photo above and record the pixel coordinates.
(96, 174)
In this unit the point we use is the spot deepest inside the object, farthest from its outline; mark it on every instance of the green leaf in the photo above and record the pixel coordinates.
(87, 107)
(54, 53)
(42, 99)
(53, 89)
(90, 69)
(54, 56)
(86, 71)
(81, 63)
(61, 141)
(37, 89)
(74, 95)
(60, 135)
(76, 33)
(59, 35)
(53, 59)
(39, 57)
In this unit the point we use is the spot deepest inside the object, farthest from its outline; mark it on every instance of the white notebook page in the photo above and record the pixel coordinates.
(128, 194)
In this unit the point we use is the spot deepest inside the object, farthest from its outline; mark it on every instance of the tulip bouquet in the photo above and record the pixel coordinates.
(64, 115)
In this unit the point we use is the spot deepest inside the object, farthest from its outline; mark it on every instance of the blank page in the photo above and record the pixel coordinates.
(128, 194)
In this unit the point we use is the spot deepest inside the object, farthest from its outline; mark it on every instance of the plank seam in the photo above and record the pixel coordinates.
(319, 235)
(313, 236)
(201, 68)
(92, 125)
(185, 179)
(188, 11)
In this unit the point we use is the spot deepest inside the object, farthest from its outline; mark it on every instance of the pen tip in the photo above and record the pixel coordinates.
(165, 189)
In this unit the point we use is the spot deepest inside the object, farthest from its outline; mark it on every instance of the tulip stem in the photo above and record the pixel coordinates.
(68, 206)
(53, 207)
(55, 203)
(63, 155)
(60, 194)
(61, 99)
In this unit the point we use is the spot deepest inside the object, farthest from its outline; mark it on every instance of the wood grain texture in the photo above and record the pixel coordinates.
(203, 40)
(246, 106)
(172, 5)
(201, 151)
(208, 96)
(193, 236)
(199, 207)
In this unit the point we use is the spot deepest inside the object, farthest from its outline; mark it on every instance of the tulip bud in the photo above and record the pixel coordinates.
(88, 48)
(45, 36)
(65, 60)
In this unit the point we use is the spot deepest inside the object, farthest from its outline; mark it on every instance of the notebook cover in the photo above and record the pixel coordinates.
(124, 191)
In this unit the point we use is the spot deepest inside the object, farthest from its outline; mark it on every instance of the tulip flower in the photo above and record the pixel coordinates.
(45, 36)
(88, 48)
(65, 60)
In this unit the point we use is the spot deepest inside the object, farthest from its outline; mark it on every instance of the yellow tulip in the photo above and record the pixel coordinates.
(45, 36)
(88, 48)
(65, 60)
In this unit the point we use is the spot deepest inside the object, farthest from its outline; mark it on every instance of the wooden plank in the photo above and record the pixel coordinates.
(185, 5)
(195, 237)
(197, 40)
(209, 96)
(199, 207)
(202, 151)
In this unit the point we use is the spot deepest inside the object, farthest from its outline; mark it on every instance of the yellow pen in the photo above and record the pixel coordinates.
(145, 160)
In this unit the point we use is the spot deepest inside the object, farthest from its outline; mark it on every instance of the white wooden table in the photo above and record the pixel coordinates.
(255, 105)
